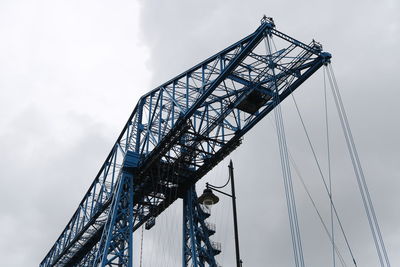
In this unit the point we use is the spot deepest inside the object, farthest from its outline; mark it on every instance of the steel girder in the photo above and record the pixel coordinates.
(182, 129)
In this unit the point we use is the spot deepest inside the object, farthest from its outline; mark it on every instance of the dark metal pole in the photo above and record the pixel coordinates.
(235, 224)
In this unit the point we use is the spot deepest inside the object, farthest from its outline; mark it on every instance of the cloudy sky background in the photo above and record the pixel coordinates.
(72, 71)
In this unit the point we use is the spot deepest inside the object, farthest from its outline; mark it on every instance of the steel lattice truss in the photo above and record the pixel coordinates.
(181, 130)
(197, 248)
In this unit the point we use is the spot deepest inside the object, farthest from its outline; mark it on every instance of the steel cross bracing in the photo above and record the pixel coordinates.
(178, 132)
(197, 248)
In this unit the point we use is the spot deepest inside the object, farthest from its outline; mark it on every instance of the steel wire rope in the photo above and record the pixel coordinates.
(165, 217)
(368, 205)
(155, 232)
(289, 193)
(329, 169)
(289, 172)
(177, 213)
(168, 237)
(356, 170)
(336, 249)
(359, 165)
(322, 176)
(297, 171)
(162, 238)
(284, 170)
(147, 258)
(183, 205)
(158, 232)
(176, 207)
(141, 247)
(168, 218)
(165, 231)
(323, 179)
(277, 129)
(171, 234)
(154, 237)
(287, 190)
(164, 225)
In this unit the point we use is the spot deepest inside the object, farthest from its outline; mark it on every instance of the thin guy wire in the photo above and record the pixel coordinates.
(329, 170)
(323, 179)
(322, 176)
(314, 204)
(360, 168)
(296, 240)
(336, 249)
(141, 247)
(358, 171)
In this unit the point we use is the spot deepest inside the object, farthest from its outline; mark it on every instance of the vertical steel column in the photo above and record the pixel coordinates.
(197, 249)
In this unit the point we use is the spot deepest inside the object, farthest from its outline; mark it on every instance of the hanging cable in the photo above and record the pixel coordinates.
(365, 195)
(289, 193)
(322, 176)
(141, 247)
(329, 170)
(320, 171)
(336, 249)
(323, 180)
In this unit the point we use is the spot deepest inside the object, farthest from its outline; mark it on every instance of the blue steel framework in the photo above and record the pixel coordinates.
(175, 135)
(197, 249)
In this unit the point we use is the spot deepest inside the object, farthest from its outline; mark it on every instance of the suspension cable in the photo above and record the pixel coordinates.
(297, 171)
(336, 249)
(329, 169)
(141, 247)
(323, 180)
(288, 185)
(365, 195)
(320, 171)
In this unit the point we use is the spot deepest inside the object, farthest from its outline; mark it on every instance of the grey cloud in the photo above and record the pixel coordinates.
(65, 66)
(70, 75)
(42, 181)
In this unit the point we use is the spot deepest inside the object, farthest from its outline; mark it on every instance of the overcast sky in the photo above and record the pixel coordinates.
(72, 71)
